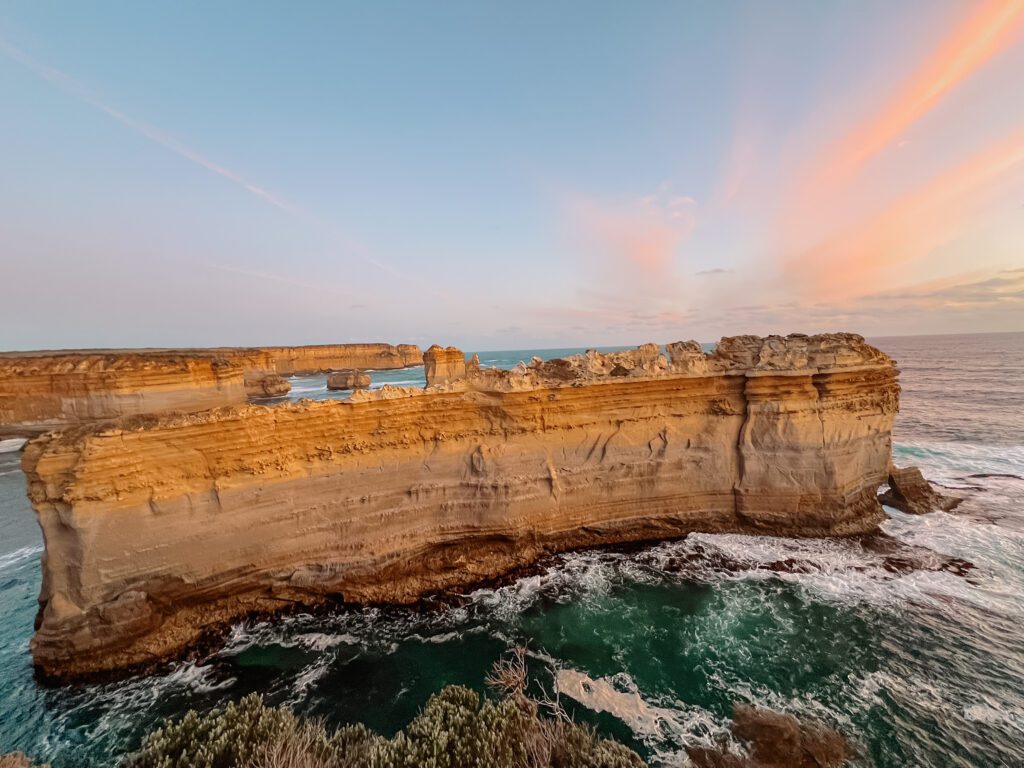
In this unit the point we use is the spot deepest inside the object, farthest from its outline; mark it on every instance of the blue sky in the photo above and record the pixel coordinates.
(508, 175)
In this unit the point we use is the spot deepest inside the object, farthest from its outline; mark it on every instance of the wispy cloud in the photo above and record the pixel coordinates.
(987, 28)
(644, 235)
(957, 293)
(289, 280)
(715, 271)
(909, 228)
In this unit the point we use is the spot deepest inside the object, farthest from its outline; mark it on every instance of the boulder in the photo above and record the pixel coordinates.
(687, 357)
(910, 492)
(264, 384)
(348, 379)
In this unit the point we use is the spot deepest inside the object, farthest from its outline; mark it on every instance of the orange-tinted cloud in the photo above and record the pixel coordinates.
(644, 237)
(852, 262)
(988, 28)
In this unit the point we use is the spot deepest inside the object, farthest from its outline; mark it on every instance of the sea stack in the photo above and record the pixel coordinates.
(443, 365)
(161, 529)
(348, 379)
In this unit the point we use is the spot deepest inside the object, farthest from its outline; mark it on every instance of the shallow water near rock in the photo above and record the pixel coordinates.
(918, 663)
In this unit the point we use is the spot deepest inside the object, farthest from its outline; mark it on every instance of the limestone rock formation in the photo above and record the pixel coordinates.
(263, 384)
(410, 355)
(159, 529)
(40, 391)
(348, 379)
(910, 492)
(443, 365)
(324, 358)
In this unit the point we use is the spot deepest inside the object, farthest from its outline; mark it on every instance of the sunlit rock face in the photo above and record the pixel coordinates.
(333, 357)
(40, 391)
(348, 379)
(444, 365)
(159, 529)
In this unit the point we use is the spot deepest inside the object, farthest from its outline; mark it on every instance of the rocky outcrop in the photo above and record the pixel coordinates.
(333, 357)
(444, 365)
(160, 529)
(909, 492)
(775, 740)
(263, 384)
(41, 392)
(350, 379)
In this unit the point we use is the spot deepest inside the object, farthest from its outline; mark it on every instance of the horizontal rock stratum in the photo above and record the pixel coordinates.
(47, 390)
(160, 529)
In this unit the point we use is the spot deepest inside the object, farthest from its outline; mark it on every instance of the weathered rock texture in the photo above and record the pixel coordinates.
(261, 384)
(348, 380)
(40, 391)
(443, 365)
(160, 528)
(333, 357)
(910, 492)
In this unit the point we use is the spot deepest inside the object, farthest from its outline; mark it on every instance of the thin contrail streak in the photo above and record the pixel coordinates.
(74, 88)
(69, 85)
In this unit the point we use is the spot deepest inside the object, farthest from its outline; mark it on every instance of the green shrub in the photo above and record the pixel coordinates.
(457, 728)
(225, 738)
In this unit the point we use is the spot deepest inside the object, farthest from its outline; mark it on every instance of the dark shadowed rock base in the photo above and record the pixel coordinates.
(910, 492)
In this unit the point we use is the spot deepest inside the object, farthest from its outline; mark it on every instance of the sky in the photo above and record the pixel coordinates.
(508, 175)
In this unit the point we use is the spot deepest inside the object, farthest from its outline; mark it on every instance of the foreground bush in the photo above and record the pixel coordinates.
(17, 760)
(457, 728)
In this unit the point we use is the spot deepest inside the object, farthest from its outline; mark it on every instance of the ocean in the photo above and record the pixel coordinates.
(911, 646)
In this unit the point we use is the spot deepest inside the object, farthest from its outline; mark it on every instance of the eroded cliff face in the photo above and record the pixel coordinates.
(162, 528)
(333, 357)
(40, 391)
(442, 365)
(43, 392)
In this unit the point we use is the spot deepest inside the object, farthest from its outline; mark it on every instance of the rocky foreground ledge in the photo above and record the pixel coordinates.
(159, 529)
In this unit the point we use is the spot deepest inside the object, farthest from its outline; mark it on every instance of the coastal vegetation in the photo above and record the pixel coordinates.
(457, 728)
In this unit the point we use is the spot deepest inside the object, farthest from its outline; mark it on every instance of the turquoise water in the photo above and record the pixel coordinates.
(918, 660)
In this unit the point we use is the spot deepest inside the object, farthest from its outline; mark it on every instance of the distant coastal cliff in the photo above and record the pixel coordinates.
(159, 529)
(40, 391)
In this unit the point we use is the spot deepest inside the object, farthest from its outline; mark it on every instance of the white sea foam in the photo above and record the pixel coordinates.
(307, 679)
(17, 557)
(12, 444)
(948, 462)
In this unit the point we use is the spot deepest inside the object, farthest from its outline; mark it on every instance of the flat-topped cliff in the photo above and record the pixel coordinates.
(332, 357)
(47, 390)
(42, 392)
(161, 528)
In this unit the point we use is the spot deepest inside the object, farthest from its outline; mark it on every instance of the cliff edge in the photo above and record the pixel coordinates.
(159, 529)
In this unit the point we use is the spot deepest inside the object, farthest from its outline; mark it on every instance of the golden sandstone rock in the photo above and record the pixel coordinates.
(442, 366)
(40, 391)
(348, 379)
(159, 529)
